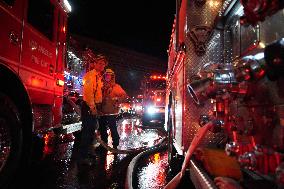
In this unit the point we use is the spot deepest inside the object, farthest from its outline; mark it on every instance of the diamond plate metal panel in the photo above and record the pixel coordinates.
(204, 15)
(232, 40)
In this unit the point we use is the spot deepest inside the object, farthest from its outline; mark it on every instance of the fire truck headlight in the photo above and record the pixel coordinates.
(67, 5)
(152, 110)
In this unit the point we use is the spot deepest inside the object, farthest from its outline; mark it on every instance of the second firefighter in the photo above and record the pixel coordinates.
(113, 95)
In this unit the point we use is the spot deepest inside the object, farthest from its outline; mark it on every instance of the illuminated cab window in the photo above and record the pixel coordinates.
(40, 16)
(9, 2)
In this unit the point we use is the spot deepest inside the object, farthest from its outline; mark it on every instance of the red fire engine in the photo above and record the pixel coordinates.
(153, 103)
(32, 62)
(225, 92)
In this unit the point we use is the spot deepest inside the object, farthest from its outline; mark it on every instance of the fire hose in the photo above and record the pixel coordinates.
(194, 144)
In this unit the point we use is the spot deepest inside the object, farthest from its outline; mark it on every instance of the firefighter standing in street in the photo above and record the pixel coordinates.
(113, 95)
(92, 97)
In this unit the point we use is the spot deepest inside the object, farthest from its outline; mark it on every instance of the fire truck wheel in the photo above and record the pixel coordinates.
(10, 139)
(170, 148)
(174, 160)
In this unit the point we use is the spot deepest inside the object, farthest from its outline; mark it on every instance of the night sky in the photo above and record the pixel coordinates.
(144, 26)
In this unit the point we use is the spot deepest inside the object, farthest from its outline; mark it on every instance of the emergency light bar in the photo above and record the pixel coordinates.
(157, 77)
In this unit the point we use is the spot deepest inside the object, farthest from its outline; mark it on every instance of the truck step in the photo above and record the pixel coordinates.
(70, 128)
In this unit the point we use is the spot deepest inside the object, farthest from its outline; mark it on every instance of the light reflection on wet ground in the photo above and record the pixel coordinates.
(132, 136)
(59, 168)
(152, 171)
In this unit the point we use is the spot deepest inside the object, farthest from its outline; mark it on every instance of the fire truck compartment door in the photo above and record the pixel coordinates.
(39, 51)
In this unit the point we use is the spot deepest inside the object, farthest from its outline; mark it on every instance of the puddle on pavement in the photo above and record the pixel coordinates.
(152, 171)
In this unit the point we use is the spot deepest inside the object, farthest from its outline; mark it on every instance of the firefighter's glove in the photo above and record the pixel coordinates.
(93, 111)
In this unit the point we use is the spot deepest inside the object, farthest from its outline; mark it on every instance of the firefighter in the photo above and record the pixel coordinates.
(113, 95)
(92, 98)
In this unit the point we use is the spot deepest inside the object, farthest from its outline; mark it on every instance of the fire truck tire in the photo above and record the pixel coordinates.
(11, 140)
(174, 160)
(170, 147)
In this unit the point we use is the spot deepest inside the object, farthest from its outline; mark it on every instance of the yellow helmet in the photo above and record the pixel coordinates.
(109, 71)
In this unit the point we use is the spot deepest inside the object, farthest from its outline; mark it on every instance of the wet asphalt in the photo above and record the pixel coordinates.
(152, 171)
(58, 168)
